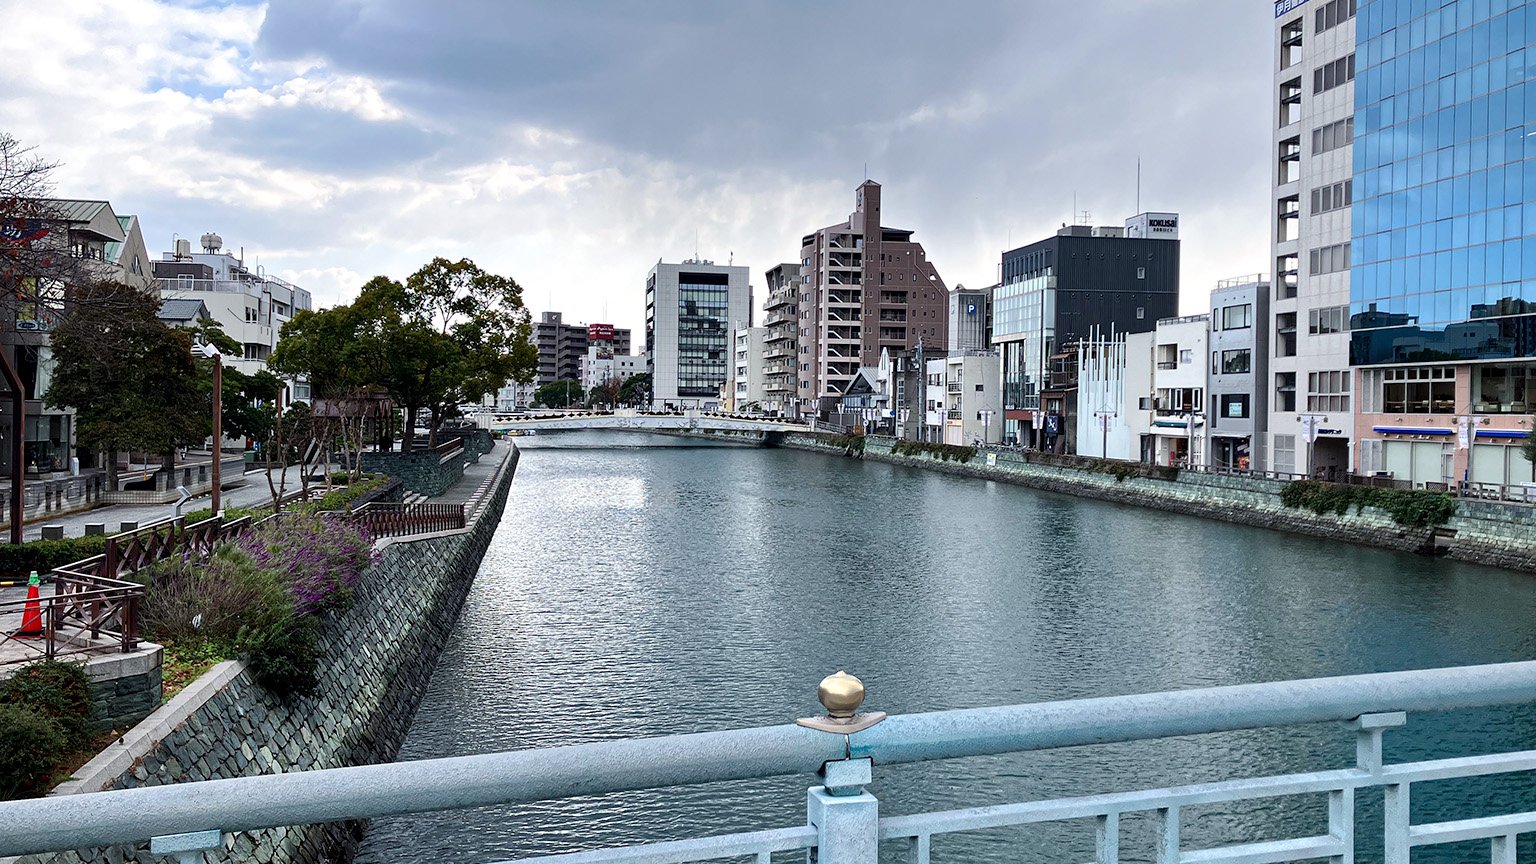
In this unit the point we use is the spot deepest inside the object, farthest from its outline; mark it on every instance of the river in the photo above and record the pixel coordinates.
(642, 586)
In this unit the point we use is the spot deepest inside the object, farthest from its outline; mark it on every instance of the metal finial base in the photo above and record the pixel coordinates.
(842, 725)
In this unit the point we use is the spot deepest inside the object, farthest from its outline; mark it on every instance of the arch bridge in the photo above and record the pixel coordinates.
(635, 420)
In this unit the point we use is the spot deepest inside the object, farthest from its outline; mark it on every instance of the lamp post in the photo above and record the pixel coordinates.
(211, 352)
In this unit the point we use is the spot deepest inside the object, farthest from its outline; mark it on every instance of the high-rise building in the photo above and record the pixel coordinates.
(864, 288)
(1442, 286)
(970, 319)
(1083, 283)
(690, 310)
(1310, 421)
(782, 320)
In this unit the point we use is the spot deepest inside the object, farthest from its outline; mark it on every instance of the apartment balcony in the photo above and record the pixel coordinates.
(952, 387)
(955, 415)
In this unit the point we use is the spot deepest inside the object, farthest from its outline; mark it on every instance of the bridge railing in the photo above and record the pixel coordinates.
(843, 825)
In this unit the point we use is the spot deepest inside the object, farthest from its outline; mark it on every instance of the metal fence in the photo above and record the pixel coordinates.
(94, 603)
(842, 824)
(387, 519)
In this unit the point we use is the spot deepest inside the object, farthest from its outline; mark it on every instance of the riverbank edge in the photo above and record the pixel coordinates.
(378, 659)
(1481, 532)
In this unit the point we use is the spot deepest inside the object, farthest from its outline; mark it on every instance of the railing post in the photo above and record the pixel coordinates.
(846, 818)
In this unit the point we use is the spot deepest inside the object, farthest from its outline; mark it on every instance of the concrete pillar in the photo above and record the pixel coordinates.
(846, 818)
(95, 529)
(53, 532)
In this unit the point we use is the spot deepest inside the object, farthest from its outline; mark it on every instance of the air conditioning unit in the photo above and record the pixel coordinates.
(27, 325)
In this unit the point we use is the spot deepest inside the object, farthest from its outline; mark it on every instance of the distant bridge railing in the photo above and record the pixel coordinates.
(635, 420)
(843, 825)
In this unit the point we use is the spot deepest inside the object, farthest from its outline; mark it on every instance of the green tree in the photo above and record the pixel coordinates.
(636, 389)
(559, 394)
(130, 378)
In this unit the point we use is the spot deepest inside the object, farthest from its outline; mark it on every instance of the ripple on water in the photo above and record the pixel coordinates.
(653, 591)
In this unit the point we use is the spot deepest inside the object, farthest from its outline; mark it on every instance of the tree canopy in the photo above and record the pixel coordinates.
(559, 394)
(450, 333)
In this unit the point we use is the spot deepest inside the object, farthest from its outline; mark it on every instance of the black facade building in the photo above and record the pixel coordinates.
(1083, 281)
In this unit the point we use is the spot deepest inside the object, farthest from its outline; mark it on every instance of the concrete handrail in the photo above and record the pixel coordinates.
(133, 815)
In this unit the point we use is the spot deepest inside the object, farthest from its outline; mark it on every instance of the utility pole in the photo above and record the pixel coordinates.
(210, 351)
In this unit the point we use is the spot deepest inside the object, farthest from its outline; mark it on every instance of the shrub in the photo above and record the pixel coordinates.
(30, 750)
(1410, 508)
(339, 498)
(212, 601)
(319, 560)
(60, 692)
(19, 559)
(284, 657)
(943, 452)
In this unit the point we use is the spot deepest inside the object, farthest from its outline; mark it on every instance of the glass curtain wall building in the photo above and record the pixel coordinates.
(1443, 264)
(690, 310)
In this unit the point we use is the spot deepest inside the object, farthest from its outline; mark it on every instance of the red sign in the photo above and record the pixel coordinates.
(599, 332)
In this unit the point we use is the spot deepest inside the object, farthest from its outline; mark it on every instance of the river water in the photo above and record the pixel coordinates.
(642, 587)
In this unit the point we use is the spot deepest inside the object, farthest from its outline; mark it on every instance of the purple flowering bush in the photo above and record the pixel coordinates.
(260, 596)
(320, 560)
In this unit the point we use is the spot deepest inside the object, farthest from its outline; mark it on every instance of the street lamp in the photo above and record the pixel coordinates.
(211, 352)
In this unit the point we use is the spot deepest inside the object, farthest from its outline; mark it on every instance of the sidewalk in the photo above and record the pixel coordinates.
(253, 493)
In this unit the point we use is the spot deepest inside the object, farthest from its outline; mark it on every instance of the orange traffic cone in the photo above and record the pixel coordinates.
(32, 615)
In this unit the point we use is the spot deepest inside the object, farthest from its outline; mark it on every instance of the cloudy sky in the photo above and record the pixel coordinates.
(572, 144)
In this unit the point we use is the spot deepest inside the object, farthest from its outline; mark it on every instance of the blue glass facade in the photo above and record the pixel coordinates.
(1444, 252)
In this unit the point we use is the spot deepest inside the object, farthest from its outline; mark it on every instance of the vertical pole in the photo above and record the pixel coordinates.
(846, 818)
(1395, 842)
(18, 443)
(218, 427)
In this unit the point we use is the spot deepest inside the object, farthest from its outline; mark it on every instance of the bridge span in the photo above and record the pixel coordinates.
(635, 420)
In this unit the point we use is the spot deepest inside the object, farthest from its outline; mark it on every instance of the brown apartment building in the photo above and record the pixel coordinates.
(864, 288)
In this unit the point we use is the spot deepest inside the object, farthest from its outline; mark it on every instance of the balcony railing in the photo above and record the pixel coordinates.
(843, 823)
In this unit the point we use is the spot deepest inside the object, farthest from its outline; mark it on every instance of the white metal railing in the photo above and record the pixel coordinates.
(842, 823)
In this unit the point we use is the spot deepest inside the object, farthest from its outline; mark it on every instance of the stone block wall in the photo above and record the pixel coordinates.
(125, 688)
(1499, 535)
(423, 472)
(378, 658)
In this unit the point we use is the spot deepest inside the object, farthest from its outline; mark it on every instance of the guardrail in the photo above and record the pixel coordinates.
(843, 823)
(93, 606)
(387, 519)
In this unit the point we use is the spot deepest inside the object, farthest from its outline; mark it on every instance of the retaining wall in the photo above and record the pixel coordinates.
(378, 658)
(1499, 535)
(427, 473)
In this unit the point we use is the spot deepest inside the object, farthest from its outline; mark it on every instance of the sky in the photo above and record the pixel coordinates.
(571, 145)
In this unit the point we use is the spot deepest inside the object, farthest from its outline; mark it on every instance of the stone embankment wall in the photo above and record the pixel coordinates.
(378, 658)
(427, 473)
(1499, 535)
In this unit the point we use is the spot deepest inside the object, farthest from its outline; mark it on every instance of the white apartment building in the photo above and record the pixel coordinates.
(690, 310)
(600, 365)
(1180, 425)
(251, 305)
(1313, 189)
(747, 386)
(973, 405)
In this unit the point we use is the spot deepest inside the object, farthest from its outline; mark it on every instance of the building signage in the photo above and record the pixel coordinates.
(1154, 226)
(599, 332)
(1284, 6)
(970, 308)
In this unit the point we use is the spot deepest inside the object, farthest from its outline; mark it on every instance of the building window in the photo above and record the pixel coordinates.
(1332, 136)
(1237, 362)
(1141, 272)
(1329, 259)
(1285, 393)
(1413, 390)
(1334, 196)
(1234, 406)
(1331, 319)
(1332, 14)
(1236, 317)
(1141, 312)
(1503, 389)
(1328, 391)
(1335, 74)
(1285, 452)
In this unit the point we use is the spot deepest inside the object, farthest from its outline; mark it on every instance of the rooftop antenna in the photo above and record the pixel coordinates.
(1138, 185)
(866, 172)
(731, 259)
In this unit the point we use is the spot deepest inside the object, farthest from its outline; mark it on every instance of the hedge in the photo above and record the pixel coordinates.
(30, 751)
(19, 559)
(1410, 508)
